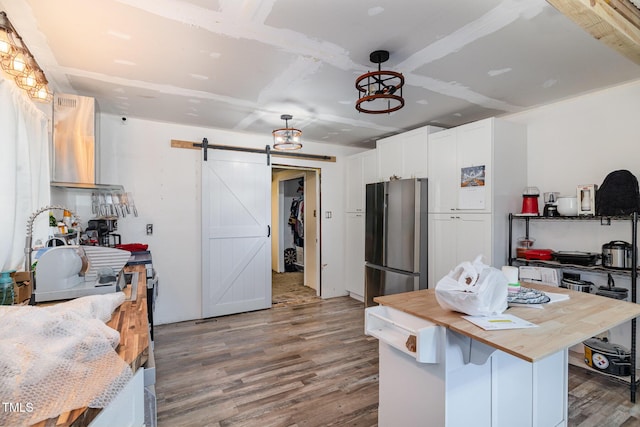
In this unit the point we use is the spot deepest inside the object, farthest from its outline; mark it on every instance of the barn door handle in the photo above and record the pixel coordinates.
(268, 231)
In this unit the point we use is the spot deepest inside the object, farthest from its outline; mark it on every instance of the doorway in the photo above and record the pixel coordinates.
(295, 242)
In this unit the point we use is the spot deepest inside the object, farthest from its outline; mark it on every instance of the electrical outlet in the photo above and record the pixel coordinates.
(149, 229)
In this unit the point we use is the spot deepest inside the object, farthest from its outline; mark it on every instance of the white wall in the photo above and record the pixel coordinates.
(579, 141)
(165, 182)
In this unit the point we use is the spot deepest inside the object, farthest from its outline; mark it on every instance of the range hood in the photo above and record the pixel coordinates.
(74, 145)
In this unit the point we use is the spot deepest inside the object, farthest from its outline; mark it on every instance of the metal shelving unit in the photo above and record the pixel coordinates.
(633, 273)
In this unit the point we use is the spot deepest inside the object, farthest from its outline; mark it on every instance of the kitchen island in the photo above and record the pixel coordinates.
(491, 378)
(130, 320)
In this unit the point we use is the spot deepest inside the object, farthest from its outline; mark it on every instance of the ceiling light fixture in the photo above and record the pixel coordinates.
(380, 90)
(17, 61)
(287, 138)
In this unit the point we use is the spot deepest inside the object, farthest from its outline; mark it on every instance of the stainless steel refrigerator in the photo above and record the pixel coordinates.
(395, 238)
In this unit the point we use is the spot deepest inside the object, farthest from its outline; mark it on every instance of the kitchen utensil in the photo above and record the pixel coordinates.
(617, 254)
(568, 205)
(576, 285)
(100, 225)
(122, 203)
(522, 245)
(539, 254)
(608, 357)
(117, 205)
(612, 291)
(530, 197)
(55, 241)
(134, 247)
(586, 198)
(95, 204)
(578, 258)
(550, 207)
(125, 201)
(106, 276)
(551, 197)
(62, 273)
(550, 210)
(132, 204)
(102, 205)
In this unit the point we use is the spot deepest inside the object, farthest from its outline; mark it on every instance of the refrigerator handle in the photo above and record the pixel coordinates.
(385, 224)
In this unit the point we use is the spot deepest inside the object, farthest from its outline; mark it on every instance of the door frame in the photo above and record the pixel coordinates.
(276, 208)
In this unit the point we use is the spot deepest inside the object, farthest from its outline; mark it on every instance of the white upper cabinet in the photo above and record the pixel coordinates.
(474, 166)
(361, 169)
(404, 155)
(369, 167)
(390, 157)
(354, 191)
(443, 168)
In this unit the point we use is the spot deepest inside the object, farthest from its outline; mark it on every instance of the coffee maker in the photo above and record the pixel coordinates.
(550, 204)
(100, 231)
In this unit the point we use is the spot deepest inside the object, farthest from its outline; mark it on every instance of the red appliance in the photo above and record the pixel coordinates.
(530, 201)
(541, 254)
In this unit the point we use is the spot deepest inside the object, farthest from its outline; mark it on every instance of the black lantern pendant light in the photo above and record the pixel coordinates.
(379, 91)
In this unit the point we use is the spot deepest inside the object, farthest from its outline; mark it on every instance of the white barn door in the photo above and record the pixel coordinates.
(236, 229)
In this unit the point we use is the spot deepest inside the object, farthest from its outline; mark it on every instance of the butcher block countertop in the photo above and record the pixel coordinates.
(130, 319)
(560, 324)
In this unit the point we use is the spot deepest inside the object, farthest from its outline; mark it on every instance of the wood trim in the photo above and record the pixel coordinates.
(614, 22)
(176, 143)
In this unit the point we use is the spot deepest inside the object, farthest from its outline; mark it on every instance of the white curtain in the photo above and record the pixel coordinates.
(24, 171)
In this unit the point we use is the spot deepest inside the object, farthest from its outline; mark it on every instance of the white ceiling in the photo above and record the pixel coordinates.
(240, 64)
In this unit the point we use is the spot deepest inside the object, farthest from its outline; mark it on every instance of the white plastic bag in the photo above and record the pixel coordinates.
(473, 288)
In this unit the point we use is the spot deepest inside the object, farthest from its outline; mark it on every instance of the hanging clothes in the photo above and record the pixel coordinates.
(300, 220)
(296, 221)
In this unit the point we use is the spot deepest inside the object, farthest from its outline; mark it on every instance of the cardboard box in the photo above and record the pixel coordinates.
(22, 289)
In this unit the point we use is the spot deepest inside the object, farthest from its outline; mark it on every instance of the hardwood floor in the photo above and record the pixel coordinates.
(598, 401)
(308, 365)
(289, 289)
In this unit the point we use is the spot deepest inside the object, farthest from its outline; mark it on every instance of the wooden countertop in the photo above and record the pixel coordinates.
(560, 325)
(130, 319)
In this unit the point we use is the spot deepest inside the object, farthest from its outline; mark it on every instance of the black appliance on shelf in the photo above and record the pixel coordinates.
(100, 231)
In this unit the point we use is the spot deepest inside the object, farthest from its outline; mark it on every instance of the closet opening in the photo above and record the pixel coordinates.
(295, 242)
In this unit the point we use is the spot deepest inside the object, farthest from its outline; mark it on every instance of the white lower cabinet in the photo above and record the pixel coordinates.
(354, 254)
(454, 238)
(127, 408)
(462, 382)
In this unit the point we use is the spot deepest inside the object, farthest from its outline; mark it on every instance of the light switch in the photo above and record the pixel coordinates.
(149, 229)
